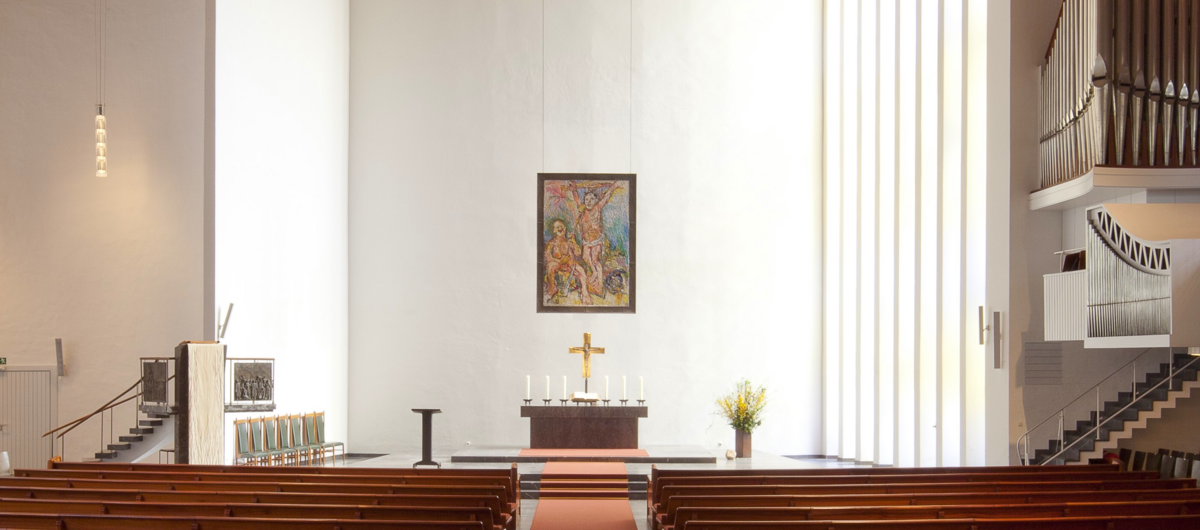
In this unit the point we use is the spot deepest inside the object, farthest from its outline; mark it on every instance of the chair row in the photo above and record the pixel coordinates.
(284, 440)
(1168, 464)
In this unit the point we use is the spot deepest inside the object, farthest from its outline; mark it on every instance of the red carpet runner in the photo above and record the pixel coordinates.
(584, 496)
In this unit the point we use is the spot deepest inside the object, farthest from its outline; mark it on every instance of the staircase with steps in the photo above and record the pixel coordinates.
(150, 435)
(600, 484)
(1082, 442)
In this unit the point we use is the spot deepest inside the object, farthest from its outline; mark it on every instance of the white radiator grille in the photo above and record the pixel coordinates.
(25, 413)
(1065, 305)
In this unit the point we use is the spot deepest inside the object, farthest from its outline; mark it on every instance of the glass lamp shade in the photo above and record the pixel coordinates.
(101, 146)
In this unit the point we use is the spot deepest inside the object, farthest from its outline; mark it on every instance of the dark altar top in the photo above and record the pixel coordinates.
(583, 426)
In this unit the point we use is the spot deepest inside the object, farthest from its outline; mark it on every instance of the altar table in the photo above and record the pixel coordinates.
(583, 426)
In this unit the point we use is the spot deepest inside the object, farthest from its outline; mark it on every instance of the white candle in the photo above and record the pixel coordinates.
(526, 388)
(547, 388)
(623, 396)
(564, 387)
(606, 388)
(641, 388)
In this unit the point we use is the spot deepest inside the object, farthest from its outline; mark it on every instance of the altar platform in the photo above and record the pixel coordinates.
(655, 454)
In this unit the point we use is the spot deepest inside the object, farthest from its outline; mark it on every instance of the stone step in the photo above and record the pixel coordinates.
(141, 430)
(120, 447)
(131, 439)
(584, 494)
(150, 423)
(106, 455)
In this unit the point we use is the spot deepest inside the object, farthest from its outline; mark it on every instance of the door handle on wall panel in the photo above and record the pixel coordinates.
(997, 352)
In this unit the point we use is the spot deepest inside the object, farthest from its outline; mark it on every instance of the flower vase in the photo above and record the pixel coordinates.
(743, 445)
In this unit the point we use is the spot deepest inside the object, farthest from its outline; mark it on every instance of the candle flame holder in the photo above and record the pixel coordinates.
(624, 401)
(528, 401)
(546, 402)
(605, 401)
(564, 402)
(641, 402)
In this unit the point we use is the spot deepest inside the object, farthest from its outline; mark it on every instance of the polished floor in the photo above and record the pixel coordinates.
(637, 506)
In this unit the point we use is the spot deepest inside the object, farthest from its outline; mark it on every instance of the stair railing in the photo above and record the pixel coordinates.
(1171, 375)
(120, 399)
(1095, 390)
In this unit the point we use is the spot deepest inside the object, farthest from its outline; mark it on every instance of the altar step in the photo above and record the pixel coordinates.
(577, 483)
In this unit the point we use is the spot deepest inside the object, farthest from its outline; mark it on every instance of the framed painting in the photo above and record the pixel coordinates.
(587, 234)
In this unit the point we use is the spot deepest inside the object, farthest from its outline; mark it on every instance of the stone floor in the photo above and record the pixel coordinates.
(760, 460)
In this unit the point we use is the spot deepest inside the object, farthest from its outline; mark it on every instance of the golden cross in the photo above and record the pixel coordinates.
(587, 350)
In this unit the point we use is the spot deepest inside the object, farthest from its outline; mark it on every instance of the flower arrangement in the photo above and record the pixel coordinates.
(744, 406)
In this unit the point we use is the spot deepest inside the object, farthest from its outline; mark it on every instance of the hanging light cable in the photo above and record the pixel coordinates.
(101, 120)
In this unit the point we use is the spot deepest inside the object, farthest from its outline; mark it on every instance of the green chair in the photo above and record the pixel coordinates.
(271, 437)
(332, 446)
(310, 434)
(256, 439)
(306, 449)
(245, 452)
(285, 442)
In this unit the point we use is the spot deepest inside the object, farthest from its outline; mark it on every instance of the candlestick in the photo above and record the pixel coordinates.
(606, 388)
(527, 389)
(564, 387)
(641, 389)
(623, 396)
(547, 388)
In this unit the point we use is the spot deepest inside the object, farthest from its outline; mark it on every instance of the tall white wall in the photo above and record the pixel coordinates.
(114, 266)
(445, 143)
(282, 74)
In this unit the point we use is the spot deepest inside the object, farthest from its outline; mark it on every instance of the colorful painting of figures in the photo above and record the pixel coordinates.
(586, 235)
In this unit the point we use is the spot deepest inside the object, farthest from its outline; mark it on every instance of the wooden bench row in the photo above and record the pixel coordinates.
(1047, 497)
(1162, 522)
(656, 474)
(102, 496)
(871, 513)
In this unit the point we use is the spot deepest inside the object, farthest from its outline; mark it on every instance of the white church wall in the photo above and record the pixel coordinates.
(282, 118)
(114, 266)
(445, 143)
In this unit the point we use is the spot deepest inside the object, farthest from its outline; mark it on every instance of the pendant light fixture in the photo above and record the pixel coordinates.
(101, 120)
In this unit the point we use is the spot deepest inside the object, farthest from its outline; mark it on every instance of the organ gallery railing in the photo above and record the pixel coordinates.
(1120, 87)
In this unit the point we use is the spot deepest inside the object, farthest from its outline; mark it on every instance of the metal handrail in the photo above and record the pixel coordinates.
(1169, 378)
(103, 408)
(1023, 441)
(113, 403)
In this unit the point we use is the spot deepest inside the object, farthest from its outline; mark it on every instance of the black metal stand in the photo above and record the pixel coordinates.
(528, 401)
(605, 402)
(546, 402)
(624, 401)
(427, 437)
(563, 401)
(641, 402)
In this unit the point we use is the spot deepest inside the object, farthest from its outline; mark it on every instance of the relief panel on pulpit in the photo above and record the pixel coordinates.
(586, 243)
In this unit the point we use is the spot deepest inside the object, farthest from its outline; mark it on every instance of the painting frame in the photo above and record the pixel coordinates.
(630, 180)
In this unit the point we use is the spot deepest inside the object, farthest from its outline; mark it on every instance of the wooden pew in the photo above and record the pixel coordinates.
(500, 510)
(656, 473)
(500, 490)
(1164, 522)
(252, 510)
(510, 472)
(894, 478)
(266, 476)
(667, 517)
(867, 513)
(670, 492)
(132, 522)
